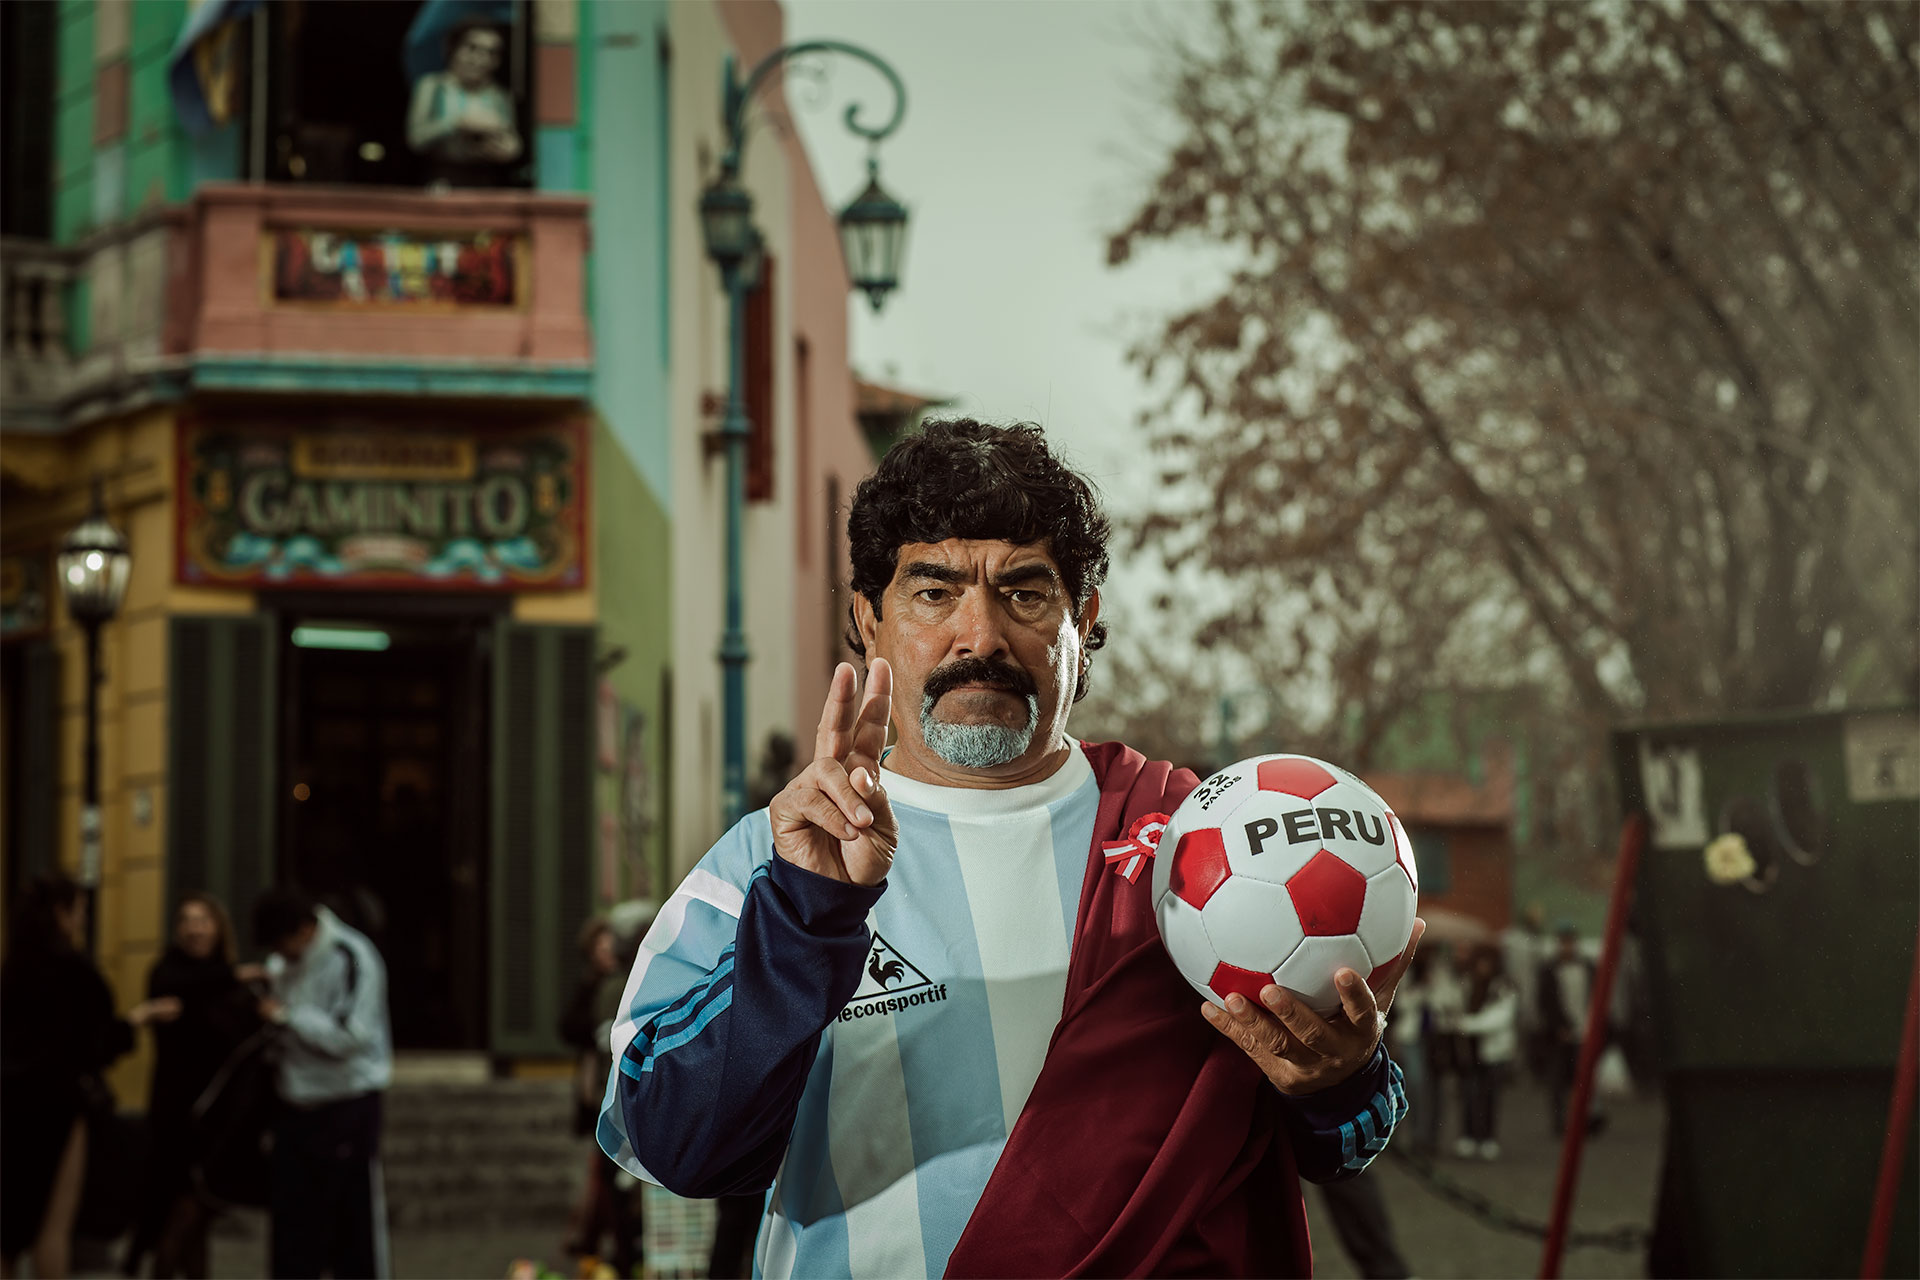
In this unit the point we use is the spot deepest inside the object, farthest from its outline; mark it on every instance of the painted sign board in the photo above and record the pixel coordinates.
(430, 270)
(487, 509)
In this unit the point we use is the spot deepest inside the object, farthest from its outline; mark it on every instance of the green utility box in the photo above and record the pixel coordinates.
(1778, 982)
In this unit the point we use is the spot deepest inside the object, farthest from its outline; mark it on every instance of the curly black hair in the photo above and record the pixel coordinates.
(961, 478)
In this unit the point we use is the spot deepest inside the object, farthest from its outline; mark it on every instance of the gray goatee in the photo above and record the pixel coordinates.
(977, 746)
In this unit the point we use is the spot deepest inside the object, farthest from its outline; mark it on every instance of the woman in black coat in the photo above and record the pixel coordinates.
(58, 1032)
(217, 1013)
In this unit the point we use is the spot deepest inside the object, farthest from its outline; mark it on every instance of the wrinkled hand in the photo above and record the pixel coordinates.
(1300, 1051)
(834, 819)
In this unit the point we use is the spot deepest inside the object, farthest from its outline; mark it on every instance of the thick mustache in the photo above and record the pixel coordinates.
(945, 680)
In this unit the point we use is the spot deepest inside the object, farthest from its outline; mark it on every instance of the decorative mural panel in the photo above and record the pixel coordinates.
(396, 268)
(306, 506)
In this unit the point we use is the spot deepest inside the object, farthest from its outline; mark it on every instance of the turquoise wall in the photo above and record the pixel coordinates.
(617, 150)
(624, 108)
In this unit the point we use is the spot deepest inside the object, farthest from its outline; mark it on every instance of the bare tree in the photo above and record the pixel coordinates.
(1569, 342)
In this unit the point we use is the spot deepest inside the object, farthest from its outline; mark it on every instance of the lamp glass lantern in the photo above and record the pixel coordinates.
(873, 233)
(94, 564)
(726, 222)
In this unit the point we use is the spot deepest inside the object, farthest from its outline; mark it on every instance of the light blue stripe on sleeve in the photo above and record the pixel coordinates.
(688, 1006)
(713, 1009)
(692, 938)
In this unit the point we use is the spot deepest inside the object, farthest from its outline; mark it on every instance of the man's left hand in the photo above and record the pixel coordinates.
(1298, 1049)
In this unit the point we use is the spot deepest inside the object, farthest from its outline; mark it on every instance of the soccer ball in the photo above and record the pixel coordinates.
(1283, 869)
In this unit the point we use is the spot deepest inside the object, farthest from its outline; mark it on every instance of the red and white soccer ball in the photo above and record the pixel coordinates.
(1283, 869)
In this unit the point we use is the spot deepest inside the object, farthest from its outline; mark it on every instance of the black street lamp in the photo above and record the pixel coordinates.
(872, 233)
(93, 565)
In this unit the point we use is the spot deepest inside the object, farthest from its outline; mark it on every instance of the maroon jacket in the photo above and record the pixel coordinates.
(1151, 1145)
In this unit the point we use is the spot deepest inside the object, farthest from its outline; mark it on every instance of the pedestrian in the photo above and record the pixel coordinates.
(1566, 991)
(976, 1058)
(583, 1026)
(1410, 1040)
(1491, 1027)
(1447, 1047)
(217, 1013)
(1525, 946)
(329, 997)
(58, 1033)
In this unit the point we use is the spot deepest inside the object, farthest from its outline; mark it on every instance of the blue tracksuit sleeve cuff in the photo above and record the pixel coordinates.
(1331, 1108)
(823, 906)
(1337, 1133)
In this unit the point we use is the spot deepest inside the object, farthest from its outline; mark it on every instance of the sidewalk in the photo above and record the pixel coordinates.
(1438, 1240)
(1618, 1176)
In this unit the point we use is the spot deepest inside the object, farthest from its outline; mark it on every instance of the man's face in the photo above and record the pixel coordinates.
(295, 944)
(985, 650)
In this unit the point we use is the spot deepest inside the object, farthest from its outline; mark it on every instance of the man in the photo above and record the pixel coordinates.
(329, 993)
(911, 998)
(1565, 989)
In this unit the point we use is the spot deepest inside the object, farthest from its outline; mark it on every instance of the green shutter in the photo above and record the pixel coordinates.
(222, 695)
(542, 829)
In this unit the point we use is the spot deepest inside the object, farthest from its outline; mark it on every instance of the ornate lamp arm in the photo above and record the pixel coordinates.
(737, 94)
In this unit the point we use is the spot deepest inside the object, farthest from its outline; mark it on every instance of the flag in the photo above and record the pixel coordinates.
(203, 71)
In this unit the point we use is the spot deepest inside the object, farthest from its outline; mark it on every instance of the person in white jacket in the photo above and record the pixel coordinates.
(336, 1061)
(1491, 1026)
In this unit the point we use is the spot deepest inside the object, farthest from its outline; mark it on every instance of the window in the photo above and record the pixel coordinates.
(1430, 859)
(27, 33)
(359, 92)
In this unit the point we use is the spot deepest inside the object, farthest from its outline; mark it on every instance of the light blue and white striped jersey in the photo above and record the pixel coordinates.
(919, 1079)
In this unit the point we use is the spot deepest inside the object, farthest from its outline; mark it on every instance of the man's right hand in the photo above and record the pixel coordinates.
(834, 819)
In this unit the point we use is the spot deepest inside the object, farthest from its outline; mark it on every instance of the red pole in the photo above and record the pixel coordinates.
(1633, 838)
(1899, 1127)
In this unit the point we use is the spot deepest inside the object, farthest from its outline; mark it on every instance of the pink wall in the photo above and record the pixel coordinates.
(828, 447)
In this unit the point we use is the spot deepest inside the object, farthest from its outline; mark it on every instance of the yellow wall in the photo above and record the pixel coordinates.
(135, 456)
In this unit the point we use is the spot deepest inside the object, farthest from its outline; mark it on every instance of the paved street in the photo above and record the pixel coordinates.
(1439, 1241)
(1616, 1187)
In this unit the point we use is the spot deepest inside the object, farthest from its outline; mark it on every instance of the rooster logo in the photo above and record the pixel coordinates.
(885, 974)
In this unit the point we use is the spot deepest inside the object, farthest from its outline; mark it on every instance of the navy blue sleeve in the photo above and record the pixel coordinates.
(1337, 1132)
(709, 1087)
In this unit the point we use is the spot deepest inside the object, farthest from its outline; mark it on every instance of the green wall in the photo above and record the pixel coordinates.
(73, 123)
(632, 568)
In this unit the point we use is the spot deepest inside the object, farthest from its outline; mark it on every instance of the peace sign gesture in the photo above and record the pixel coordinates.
(834, 819)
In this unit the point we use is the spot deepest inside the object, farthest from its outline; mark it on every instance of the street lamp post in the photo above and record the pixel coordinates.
(93, 565)
(872, 232)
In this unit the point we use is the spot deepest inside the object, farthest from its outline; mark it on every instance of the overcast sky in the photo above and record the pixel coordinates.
(1029, 134)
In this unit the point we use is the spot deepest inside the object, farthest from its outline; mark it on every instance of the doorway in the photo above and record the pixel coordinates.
(384, 800)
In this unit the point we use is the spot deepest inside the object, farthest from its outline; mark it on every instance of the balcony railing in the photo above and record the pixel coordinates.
(303, 290)
(86, 325)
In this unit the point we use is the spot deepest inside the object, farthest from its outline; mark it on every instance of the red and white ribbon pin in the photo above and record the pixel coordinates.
(1128, 856)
